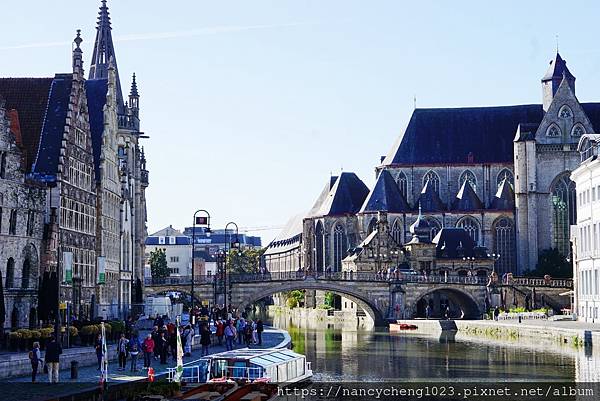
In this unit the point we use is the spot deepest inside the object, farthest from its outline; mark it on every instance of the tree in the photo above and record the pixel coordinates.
(553, 263)
(294, 298)
(244, 260)
(158, 263)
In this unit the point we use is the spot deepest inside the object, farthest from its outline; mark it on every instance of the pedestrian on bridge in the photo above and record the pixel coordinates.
(230, 333)
(220, 331)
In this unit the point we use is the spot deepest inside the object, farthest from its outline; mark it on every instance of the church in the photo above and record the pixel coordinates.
(499, 173)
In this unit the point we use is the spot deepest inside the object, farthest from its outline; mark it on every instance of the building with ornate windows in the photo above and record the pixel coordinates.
(21, 224)
(79, 141)
(500, 173)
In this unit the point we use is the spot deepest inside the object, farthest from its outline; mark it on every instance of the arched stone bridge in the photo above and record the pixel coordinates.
(382, 298)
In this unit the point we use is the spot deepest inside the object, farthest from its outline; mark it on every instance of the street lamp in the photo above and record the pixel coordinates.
(234, 245)
(201, 221)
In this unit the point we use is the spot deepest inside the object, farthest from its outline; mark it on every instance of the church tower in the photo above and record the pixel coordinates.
(557, 70)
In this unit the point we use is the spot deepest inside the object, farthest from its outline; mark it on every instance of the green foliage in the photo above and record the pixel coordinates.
(520, 309)
(553, 263)
(291, 303)
(158, 263)
(244, 260)
(329, 299)
(294, 298)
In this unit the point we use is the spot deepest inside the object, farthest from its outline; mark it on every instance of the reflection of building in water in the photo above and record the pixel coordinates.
(587, 366)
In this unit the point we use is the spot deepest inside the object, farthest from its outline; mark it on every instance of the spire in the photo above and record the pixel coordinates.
(134, 89)
(466, 198)
(104, 51)
(557, 71)
(77, 57)
(430, 199)
(134, 98)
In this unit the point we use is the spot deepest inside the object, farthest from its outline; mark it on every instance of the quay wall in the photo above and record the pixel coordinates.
(316, 318)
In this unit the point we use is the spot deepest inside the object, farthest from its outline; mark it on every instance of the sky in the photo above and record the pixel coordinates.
(251, 105)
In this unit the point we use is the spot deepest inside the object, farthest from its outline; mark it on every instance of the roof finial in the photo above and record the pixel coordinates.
(415, 101)
(78, 39)
(557, 43)
(419, 210)
(134, 88)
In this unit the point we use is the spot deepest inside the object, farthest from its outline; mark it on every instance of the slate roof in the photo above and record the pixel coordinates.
(46, 162)
(181, 240)
(385, 196)
(96, 91)
(449, 242)
(29, 96)
(430, 200)
(201, 254)
(505, 197)
(346, 197)
(314, 210)
(557, 68)
(289, 237)
(467, 199)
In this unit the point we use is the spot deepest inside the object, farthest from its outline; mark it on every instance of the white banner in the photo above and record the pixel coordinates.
(101, 270)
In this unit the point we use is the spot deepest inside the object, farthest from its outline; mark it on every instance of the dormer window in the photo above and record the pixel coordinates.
(553, 130)
(578, 130)
(565, 112)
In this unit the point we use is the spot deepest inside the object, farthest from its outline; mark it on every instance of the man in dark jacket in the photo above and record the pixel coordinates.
(259, 330)
(53, 351)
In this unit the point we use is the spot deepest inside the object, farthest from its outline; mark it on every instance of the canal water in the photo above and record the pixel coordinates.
(343, 355)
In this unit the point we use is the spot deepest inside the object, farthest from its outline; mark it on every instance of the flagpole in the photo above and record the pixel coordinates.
(179, 370)
(104, 361)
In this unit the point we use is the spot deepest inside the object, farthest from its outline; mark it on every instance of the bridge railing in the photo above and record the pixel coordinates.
(541, 282)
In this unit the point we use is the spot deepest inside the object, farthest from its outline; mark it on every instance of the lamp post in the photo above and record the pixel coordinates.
(201, 221)
(234, 245)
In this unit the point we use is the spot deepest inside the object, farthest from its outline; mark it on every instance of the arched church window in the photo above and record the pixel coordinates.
(3, 165)
(564, 213)
(372, 225)
(553, 130)
(10, 273)
(25, 274)
(433, 180)
(319, 251)
(504, 245)
(402, 182)
(565, 112)
(396, 232)
(578, 130)
(471, 226)
(504, 174)
(434, 225)
(340, 246)
(468, 175)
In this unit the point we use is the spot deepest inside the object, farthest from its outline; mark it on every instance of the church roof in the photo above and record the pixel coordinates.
(467, 199)
(557, 68)
(46, 162)
(505, 197)
(289, 237)
(385, 196)
(453, 243)
(29, 96)
(96, 91)
(314, 210)
(430, 200)
(346, 197)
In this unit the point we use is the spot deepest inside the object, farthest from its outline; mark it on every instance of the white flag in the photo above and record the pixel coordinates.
(104, 361)
(179, 369)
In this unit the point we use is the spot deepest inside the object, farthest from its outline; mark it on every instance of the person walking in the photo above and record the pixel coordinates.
(134, 351)
(259, 330)
(187, 338)
(156, 339)
(427, 312)
(230, 333)
(148, 348)
(248, 333)
(53, 351)
(163, 348)
(220, 331)
(173, 343)
(122, 349)
(241, 325)
(205, 339)
(35, 357)
(98, 347)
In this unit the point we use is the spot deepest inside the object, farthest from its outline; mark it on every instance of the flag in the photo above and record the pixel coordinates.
(104, 360)
(179, 368)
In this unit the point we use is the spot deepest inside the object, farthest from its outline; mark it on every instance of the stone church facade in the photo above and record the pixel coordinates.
(499, 173)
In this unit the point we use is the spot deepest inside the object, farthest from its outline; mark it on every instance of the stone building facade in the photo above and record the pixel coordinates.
(21, 226)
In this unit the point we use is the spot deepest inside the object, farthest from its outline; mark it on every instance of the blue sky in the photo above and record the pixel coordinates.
(250, 105)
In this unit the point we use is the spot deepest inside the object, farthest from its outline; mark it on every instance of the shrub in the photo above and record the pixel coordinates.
(73, 332)
(25, 334)
(14, 335)
(46, 332)
(520, 309)
(36, 334)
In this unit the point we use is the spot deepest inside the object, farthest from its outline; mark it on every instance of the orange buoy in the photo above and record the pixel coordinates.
(151, 374)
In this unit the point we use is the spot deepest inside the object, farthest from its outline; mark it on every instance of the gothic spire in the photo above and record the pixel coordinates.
(104, 51)
(134, 89)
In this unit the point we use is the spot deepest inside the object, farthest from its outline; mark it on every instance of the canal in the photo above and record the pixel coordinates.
(342, 355)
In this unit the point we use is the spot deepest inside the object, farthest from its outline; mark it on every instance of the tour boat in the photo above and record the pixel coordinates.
(276, 365)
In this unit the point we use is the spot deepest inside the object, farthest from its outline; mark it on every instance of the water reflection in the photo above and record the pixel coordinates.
(340, 355)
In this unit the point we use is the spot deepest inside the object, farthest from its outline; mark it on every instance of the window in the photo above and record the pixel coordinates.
(319, 251)
(504, 245)
(504, 174)
(470, 225)
(340, 246)
(578, 130)
(174, 259)
(564, 212)
(10, 273)
(433, 180)
(396, 232)
(372, 225)
(468, 175)
(553, 130)
(402, 184)
(434, 225)
(25, 274)
(565, 112)
(3, 165)
(161, 240)
(12, 222)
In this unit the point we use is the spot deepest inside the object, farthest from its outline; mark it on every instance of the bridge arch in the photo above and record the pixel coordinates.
(375, 307)
(461, 302)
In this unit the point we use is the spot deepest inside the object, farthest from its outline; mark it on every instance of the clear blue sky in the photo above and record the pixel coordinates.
(251, 104)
